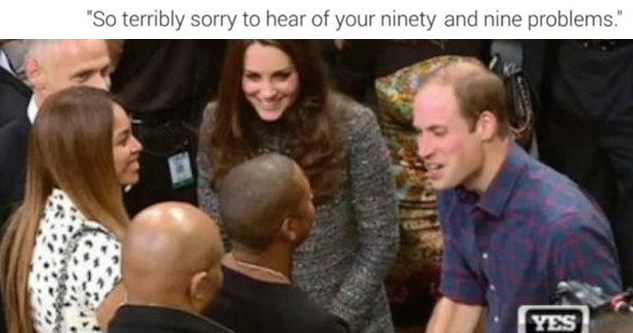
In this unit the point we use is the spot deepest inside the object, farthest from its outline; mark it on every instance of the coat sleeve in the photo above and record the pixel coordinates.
(207, 196)
(375, 212)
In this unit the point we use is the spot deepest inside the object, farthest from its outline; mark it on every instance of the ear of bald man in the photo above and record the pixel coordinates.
(289, 230)
(295, 230)
(204, 288)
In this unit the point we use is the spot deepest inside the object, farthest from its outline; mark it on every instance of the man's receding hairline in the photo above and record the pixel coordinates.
(450, 74)
(37, 47)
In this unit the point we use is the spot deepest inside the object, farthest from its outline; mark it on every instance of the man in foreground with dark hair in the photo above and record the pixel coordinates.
(266, 206)
(171, 270)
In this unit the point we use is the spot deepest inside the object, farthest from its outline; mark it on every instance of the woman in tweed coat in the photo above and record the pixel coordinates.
(273, 97)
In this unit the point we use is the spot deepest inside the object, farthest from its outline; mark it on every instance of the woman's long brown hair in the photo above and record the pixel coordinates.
(314, 145)
(70, 147)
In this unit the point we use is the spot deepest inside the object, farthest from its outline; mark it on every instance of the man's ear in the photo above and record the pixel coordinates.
(289, 229)
(201, 290)
(35, 74)
(487, 125)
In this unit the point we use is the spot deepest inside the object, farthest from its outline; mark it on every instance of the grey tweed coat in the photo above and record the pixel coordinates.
(355, 237)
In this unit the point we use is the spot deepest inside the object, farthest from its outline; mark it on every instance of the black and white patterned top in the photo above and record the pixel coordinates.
(93, 267)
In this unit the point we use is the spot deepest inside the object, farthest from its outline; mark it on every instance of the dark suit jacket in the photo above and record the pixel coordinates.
(14, 97)
(151, 319)
(14, 100)
(13, 144)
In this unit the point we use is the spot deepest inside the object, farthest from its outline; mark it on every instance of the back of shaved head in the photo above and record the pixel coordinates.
(165, 245)
(256, 196)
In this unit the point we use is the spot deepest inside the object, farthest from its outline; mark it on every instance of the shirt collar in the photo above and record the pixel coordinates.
(494, 200)
(32, 110)
(254, 271)
(4, 63)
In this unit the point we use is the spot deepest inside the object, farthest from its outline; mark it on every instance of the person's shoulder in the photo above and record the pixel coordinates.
(16, 129)
(8, 81)
(356, 122)
(13, 153)
(314, 318)
(95, 227)
(281, 303)
(61, 205)
(209, 116)
(333, 324)
(347, 109)
(215, 327)
(562, 211)
(567, 224)
(552, 194)
(211, 106)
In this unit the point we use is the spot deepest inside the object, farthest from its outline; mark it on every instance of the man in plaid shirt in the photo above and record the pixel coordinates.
(513, 228)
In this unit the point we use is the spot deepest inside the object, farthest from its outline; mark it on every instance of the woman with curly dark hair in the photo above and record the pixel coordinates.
(273, 98)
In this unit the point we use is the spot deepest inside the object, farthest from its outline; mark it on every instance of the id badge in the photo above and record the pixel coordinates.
(180, 170)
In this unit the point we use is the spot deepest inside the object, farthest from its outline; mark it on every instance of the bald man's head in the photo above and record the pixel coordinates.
(171, 257)
(476, 89)
(256, 196)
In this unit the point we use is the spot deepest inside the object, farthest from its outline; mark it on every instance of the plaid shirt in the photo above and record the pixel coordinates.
(511, 246)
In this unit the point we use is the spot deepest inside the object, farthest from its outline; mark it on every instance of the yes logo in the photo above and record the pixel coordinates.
(553, 318)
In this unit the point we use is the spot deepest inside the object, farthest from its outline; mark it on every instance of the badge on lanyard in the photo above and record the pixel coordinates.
(180, 170)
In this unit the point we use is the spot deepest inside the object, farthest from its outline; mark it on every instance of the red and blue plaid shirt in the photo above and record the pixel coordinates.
(512, 245)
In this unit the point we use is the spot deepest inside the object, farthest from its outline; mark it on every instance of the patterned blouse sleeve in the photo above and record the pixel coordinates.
(375, 210)
(95, 267)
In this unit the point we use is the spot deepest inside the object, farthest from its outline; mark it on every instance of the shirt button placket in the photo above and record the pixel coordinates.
(485, 256)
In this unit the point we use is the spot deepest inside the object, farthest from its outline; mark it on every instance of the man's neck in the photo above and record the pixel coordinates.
(161, 303)
(495, 155)
(276, 258)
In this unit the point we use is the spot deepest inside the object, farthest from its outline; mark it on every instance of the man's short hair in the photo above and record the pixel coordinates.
(35, 47)
(256, 196)
(476, 89)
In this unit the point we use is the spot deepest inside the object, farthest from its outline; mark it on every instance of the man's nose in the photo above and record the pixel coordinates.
(101, 82)
(425, 148)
